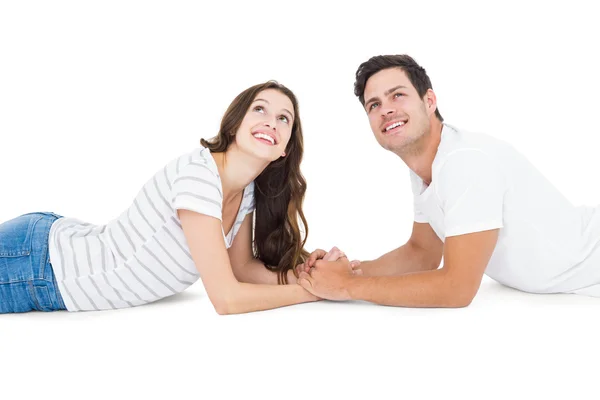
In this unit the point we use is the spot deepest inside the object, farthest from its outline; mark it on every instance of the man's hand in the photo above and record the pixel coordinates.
(332, 255)
(328, 279)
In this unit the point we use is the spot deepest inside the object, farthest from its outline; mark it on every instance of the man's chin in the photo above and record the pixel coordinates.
(400, 145)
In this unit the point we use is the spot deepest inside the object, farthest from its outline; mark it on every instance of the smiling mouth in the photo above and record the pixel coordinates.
(264, 138)
(393, 128)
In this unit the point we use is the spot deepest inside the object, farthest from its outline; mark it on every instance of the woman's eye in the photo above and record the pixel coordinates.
(259, 109)
(284, 119)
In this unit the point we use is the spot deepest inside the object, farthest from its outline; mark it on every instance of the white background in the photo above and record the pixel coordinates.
(97, 96)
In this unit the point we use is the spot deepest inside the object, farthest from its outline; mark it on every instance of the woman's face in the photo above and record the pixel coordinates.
(266, 129)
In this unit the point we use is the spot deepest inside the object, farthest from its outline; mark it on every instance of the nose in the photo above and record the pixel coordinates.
(271, 123)
(386, 111)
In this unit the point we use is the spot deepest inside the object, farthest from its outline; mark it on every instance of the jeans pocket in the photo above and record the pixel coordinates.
(15, 235)
(16, 249)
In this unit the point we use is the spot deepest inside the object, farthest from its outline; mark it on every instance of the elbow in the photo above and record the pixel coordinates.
(227, 304)
(460, 296)
(461, 301)
(223, 305)
(458, 291)
(222, 308)
(226, 299)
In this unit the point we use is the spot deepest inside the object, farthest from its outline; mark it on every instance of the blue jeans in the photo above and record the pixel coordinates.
(27, 281)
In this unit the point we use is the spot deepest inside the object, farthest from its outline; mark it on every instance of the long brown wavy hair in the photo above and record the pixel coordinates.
(278, 191)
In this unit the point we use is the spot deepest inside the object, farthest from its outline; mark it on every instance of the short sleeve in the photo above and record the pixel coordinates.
(197, 187)
(471, 187)
(416, 185)
(249, 200)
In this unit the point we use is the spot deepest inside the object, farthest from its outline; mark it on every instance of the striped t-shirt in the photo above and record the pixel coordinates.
(142, 255)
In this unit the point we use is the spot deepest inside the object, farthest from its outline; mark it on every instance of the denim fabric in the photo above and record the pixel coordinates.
(27, 281)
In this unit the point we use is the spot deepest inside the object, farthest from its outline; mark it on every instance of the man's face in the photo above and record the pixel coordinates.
(399, 118)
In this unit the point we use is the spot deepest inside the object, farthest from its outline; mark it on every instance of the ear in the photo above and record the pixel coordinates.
(283, 154)
(430, 101)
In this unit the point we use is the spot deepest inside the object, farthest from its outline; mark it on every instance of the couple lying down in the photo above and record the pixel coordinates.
(230, 212)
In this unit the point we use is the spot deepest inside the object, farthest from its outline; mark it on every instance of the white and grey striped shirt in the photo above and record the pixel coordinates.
(142, 255)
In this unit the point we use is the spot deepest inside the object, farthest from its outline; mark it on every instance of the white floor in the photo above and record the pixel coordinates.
(95, 97)
(506, 344)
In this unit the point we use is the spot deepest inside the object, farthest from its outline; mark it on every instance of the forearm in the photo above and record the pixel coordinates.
(405, 259)
(249, 297)
(434, 288)
(255, 271)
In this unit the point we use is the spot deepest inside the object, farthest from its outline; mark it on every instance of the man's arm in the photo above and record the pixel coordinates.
(454, 285)
(422, 252)
(471, 189)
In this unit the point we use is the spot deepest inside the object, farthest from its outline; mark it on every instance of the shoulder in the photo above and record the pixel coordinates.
(195, 165)
(461, 150)
(196, 185)
(202, 157)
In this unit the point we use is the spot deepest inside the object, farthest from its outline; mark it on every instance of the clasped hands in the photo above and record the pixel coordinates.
(326, 274)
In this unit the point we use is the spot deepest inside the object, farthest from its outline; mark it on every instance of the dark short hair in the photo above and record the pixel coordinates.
(416, 74)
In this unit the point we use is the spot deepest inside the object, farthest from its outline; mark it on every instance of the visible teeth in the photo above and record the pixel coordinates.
(263, 136)
(394, 125)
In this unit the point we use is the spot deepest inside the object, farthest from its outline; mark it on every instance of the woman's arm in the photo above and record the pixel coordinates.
(229, 296)
(254, 271)
(246, 267)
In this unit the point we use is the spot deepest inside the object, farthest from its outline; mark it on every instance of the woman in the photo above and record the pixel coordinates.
(193, 219)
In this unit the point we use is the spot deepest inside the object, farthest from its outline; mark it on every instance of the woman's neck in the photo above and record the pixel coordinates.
(237, 169)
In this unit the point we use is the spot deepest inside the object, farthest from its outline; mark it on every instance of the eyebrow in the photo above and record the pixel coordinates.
(387, 93)
(286, 110)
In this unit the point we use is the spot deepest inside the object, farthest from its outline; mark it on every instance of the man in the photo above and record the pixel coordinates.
(478, 203)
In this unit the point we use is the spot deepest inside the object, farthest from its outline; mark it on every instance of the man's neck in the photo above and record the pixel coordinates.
(420, 160)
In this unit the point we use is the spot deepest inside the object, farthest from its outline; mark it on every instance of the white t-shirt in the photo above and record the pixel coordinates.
(142, 255)
(545, 244)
